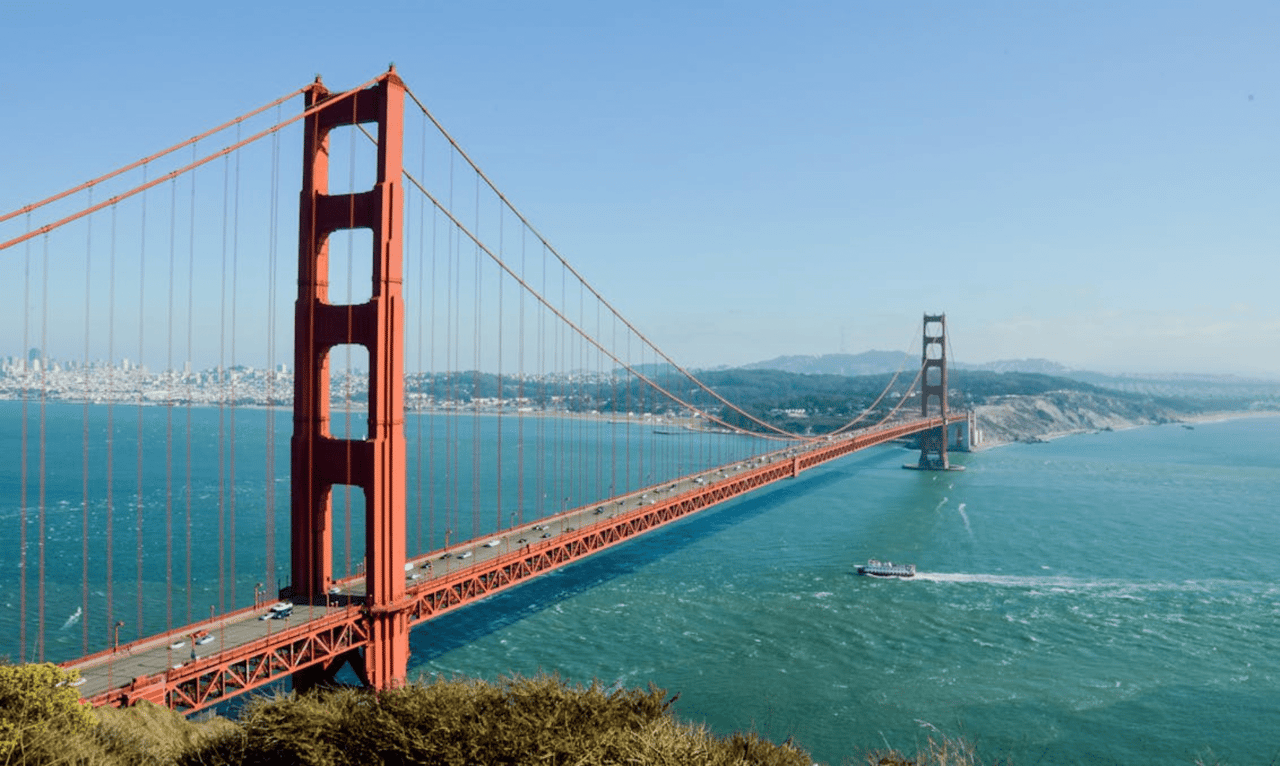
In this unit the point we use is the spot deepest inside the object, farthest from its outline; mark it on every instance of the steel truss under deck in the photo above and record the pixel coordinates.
(324, 643)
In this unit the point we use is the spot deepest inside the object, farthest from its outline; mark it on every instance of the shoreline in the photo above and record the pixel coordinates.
(1030, 437)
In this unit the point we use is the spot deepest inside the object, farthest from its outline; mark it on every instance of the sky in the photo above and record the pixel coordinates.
(1095, 183)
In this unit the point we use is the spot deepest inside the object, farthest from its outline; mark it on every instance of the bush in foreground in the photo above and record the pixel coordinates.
(516, 721)
(938, 752)
(39, 710)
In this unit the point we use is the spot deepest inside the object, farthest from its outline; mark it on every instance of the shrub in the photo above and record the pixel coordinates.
(515, 721)
(39, 707)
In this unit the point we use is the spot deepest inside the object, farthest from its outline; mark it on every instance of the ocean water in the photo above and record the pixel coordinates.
(156, 517)
(1104, 598)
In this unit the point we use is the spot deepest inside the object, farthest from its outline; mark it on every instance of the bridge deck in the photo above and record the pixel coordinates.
(247, 651)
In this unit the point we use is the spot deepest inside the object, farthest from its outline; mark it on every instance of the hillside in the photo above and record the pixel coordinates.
(1011, 406)
(1032, 417)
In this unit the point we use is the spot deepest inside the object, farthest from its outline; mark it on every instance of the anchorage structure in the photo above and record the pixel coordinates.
(376, 464)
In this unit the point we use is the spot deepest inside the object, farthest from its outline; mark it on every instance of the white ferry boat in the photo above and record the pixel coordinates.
(886, 569)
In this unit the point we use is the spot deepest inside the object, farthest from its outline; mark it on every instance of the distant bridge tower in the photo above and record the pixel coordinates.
(376, 463)
(933, 388)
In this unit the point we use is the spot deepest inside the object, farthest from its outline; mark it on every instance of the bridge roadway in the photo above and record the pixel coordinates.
(247, 649)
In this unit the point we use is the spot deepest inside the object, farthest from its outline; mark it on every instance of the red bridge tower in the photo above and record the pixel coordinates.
(376, 464)
(933, 388)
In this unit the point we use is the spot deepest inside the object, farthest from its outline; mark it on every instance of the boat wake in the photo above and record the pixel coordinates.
(1011, 581)
(965, 516)
(1062, 584)
(73, 619)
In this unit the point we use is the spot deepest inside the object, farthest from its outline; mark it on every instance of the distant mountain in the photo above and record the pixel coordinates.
(1041, 366)
(866, 363)
(1197, 386)
(877, 362)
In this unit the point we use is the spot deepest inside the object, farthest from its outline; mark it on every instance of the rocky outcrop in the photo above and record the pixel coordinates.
(1006, 419)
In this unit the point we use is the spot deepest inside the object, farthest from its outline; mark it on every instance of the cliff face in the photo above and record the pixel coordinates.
(1056, 413)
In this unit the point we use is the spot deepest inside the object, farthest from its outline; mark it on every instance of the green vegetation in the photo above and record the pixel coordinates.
(38, 708)
(534, 721)
(818, 403)
(518, 721)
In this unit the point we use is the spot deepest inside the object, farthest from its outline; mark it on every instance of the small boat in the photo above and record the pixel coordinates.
(886, 569)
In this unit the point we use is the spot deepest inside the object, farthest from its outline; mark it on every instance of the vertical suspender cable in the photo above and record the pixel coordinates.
(168, 416)
(520, 392)
(44, 393)
(142, 305)
(420, 307)
(269, 538)
(435, 383)
(626, 458)
(541, 449)
(498, 430)
(614, 414)
(84, 446)
(450, 437)
(557, 362)
(231, 389)
(599, 409)
(583, 494)
(189, 382)
(22, 482)
(475, 378)
(222, 397)
(641, 411)
(456, 377)
(111, 397)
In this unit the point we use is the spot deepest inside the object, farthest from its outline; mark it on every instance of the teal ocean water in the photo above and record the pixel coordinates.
(1104, 598)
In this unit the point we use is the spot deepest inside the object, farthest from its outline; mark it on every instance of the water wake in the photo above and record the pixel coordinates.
(965, 516)
(1122, 588)
(73, 619)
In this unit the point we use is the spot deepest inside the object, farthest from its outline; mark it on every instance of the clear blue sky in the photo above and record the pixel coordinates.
(1093, 182)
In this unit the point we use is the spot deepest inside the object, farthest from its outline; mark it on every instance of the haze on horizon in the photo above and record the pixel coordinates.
(1092, 184)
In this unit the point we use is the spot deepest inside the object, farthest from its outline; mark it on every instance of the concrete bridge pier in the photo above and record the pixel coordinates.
(962, 435)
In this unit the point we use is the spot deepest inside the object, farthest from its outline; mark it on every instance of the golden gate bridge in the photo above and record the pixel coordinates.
(467, 411)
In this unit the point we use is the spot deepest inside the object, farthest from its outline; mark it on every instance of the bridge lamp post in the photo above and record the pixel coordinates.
(257, 589)
(115, 641)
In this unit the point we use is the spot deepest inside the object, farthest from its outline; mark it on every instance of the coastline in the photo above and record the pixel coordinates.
(1031, 419)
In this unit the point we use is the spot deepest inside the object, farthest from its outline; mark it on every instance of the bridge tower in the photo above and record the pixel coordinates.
(933, 388)
(376, 463)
